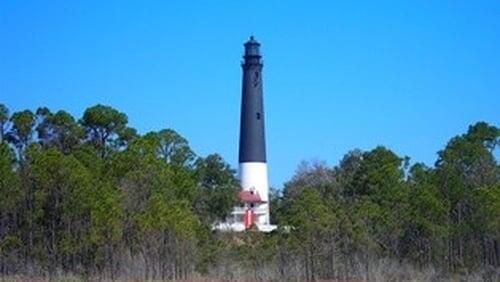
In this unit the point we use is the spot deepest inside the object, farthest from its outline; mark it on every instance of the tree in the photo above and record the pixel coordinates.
(217, 188)
(105, 229)
(466, 165)
(312, 223)
(62, 203)
(346, 172)
(4, 118)
(22, 130)
(10, 201)
(488, 136)
(156, 198)
(106, 127)
(383, 205)
(58, 129)
(487, 219)
(426, 227)
(315, 175)
(172, 147)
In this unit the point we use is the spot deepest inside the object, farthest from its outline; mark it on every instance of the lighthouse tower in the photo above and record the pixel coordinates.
(253, 209)
(252, 154)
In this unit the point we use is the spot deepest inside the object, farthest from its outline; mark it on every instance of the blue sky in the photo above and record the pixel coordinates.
(354, 74)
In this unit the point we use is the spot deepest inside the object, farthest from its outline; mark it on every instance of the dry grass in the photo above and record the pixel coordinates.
(381, 270)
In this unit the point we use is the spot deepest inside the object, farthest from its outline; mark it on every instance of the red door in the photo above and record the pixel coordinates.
(249, 218)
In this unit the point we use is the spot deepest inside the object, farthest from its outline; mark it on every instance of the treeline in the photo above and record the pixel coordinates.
(93, 198)
(375, 203)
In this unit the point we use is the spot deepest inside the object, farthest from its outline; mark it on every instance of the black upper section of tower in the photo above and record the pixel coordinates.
(252, 134)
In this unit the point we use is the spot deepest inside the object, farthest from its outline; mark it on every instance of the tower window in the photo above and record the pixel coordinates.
(252, 205)
(258, 115)
(256, 79)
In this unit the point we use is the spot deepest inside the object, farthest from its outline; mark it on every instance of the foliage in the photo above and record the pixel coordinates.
(217, 186)
(94, 199)
(106, 128)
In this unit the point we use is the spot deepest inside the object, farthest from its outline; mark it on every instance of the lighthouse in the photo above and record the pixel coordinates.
(253, 208)
(252, 149)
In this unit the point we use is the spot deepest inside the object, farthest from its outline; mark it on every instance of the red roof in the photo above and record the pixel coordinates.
(249, 197)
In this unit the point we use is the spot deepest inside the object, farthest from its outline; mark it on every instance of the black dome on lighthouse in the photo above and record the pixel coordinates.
(252, 47)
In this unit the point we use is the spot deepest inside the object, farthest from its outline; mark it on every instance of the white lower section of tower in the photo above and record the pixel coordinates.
(253, 176)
